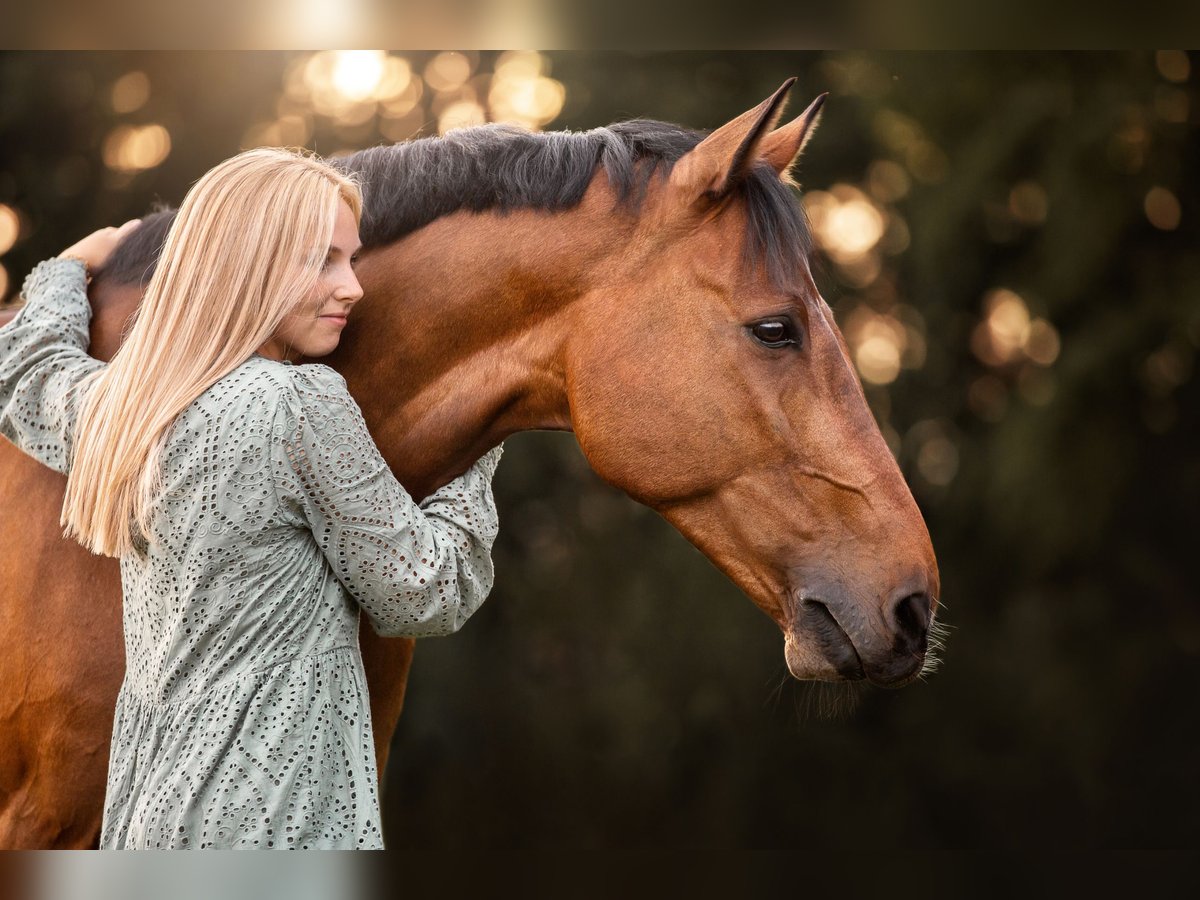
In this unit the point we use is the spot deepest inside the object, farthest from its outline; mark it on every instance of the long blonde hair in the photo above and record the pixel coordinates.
(246, 246)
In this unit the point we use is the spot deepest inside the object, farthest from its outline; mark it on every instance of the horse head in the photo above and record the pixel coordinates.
(647, 287)
(711, 383)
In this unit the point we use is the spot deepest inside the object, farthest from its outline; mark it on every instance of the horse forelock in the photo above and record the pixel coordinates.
(410, 184)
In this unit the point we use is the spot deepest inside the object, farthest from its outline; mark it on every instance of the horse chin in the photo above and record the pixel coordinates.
(808, 660)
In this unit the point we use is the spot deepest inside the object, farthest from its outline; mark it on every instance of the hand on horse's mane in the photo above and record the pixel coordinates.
(98, 246)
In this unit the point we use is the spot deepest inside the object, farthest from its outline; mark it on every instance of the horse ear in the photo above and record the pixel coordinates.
(723, 158)
(783, 146)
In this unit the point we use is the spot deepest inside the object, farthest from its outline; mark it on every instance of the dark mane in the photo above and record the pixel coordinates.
(407, 185)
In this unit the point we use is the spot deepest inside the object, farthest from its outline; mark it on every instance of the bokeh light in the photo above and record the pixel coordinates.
(461, 114)
(10, 227)
(1008, 333)
(1162, 209)
(882, 344)
(848, 226)
(130, 92)
(363, 93)
(522, 93)
(448, 71)
(357, 74)
(1173, 65)
(134, 148)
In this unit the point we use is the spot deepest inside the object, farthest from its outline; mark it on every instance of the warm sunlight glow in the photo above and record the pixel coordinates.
(520, 93)
(847, 224)
(134, 148)
(356, 74)
(10, 227)
(130, 92)
(1008, 333)
(448, 71)
(461, 115)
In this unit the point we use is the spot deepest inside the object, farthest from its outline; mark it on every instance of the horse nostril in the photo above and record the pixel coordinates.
(911, 615)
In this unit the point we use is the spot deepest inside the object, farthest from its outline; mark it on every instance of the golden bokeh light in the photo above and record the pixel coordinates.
(1008, 333)
(848, 226)
(461, 114)
(130, 92)
(448, 71)
(396, 80)
(367, 91)
(443, 100)
(135, 148)
(10, 227)
(1044, 344)
(881, 344)
(1007, 320)
(1162, 209)
(520, 92)
(522, 63)
(878, 358)
(357, 74)
(1173, 65)
(403, 102)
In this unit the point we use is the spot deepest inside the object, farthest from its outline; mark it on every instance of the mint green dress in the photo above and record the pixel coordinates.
(243, 719)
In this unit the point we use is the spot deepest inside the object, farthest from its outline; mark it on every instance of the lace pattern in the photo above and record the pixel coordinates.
(243, 719)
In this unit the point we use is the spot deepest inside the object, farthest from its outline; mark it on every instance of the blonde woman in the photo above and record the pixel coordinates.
(251, 512)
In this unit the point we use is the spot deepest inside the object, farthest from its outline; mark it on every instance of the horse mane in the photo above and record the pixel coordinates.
(500, 167)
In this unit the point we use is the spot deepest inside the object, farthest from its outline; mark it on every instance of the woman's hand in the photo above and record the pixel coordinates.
(96, 247)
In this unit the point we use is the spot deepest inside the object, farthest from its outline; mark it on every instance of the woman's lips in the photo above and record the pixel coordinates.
(340, 320)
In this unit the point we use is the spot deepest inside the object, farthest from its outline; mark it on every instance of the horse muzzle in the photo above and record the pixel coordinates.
(835, 639)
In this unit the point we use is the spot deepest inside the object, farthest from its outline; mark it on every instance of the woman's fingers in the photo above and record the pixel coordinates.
(97, 246)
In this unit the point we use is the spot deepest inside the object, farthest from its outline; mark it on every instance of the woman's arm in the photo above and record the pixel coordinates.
(43, 358)
(416, 570)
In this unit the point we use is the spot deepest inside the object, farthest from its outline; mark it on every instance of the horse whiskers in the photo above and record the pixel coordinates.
(777, 692)
(939, 633)
(827, 700)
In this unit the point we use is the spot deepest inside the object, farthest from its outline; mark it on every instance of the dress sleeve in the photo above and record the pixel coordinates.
(416, 570)
(43, 358)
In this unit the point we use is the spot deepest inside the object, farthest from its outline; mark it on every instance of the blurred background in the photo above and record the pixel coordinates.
(1010, 243)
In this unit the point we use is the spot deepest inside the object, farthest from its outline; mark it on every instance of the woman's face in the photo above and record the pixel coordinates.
(315, 328)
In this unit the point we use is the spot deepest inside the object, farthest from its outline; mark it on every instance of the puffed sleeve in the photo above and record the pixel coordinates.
(416, 570)
(43, 358)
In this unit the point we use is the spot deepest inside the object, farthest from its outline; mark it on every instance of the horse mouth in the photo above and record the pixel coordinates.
(817, 647)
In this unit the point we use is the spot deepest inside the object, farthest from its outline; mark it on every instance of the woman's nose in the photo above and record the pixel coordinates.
(351, 291)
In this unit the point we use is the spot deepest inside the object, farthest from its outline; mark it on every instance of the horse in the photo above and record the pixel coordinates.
(643, 285)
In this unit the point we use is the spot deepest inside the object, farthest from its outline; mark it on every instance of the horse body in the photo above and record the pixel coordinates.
(642, 328)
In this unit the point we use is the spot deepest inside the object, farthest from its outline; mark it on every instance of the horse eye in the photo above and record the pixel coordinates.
(773, 333)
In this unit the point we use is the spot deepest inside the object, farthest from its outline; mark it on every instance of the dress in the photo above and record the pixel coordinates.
(243, 719)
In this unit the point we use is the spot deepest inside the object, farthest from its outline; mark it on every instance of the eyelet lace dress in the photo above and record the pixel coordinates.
(243, 719)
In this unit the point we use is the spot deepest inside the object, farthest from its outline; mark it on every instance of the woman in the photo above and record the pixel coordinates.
(252, 514)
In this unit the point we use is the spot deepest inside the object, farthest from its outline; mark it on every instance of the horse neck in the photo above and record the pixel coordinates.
(459, 340)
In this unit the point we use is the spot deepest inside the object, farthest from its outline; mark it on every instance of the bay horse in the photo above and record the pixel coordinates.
(642, 285)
